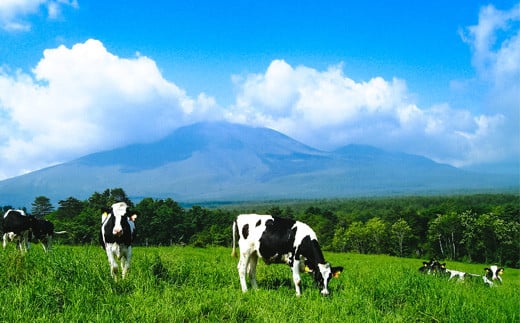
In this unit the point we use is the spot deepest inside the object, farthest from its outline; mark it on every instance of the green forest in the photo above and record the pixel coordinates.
(481, 228)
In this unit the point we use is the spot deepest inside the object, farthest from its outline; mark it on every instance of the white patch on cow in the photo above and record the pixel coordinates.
(326, 272)
(118, 209)
(456, 273)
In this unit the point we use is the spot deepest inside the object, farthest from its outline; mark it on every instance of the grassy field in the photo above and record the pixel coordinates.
(185, 284)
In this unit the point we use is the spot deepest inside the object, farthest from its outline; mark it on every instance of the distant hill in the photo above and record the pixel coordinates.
(229, 162)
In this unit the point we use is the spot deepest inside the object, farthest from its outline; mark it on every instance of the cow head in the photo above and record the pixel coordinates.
(119, 210)
(494, 273)
(323, 275)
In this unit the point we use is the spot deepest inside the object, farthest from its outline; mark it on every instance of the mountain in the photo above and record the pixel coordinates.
(229, 162)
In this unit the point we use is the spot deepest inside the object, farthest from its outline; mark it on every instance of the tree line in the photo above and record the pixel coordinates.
(482, 228)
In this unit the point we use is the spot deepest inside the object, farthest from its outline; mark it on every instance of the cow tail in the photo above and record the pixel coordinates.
(234, 252)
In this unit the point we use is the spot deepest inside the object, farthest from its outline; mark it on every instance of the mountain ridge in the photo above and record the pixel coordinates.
(215, 161)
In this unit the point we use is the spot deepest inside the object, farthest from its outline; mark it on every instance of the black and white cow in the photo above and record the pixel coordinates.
(23, 229)
(116, 237)
(492, 275)
(433, 267)
(278, 240)
(16, 226)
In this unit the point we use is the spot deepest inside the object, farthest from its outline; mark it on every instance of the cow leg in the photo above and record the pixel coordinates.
(125, 261)
(24, 241)
(5, 237)
(47, 243)
(112, 261)
(253, 260)
(296, 276)
(242, 268)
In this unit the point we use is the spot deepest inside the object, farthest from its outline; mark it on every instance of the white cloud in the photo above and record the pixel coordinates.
(13, 13)
(84, 99)
(326, 109)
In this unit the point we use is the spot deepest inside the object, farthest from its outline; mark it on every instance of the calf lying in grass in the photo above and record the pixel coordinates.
(492, 275)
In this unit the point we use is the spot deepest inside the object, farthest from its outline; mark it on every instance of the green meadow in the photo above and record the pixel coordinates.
(187, 284)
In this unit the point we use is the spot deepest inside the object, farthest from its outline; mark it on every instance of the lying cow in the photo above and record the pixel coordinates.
(433, 267)
(116, 237)
(16, 226)
(492, 275)
(278, 240)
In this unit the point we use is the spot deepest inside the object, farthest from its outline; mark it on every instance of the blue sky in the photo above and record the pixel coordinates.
(439, 78)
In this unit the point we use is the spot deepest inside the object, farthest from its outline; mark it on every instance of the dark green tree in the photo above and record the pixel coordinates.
(41, 207)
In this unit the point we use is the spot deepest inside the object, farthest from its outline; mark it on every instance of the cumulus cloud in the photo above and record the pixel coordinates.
(13, 13)
(327, 109)
(495, 45)
(84, 99)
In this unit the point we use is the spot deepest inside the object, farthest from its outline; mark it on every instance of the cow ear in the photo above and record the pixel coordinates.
(501, 271)
(336, 271)
(425, 263)
(307, 269)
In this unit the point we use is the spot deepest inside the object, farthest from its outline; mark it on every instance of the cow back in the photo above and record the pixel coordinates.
(277, 238)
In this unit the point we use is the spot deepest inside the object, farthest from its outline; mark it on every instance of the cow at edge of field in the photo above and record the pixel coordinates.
(43, 231)
(493, 274)
(16, 226)
(278, 240)
(116, 236)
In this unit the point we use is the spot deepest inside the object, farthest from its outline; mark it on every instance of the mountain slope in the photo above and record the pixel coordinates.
(222, 161)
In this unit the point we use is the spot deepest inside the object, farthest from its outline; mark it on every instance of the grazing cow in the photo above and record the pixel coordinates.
(43, 231)
(493, 274)
(278, 240)
(16, 226)
(116, 237)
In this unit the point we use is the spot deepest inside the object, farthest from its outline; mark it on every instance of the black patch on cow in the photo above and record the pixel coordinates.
(127, 236)
(311, 250)
(42, 228)
(278, 240)
(258, 222)
(16, 222)
(245, 231)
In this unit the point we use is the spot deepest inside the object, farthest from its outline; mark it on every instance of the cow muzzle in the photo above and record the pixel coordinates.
(117, 232)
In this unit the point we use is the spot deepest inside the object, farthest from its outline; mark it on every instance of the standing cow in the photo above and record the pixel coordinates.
(278, 240)
(16, 226)
(43, 231)
(116, 237)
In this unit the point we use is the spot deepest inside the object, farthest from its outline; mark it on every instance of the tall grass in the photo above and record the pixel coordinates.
(185, 284)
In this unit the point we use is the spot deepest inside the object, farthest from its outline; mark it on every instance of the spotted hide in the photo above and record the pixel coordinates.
(116, 237)
(278, 240)
(16, 226)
